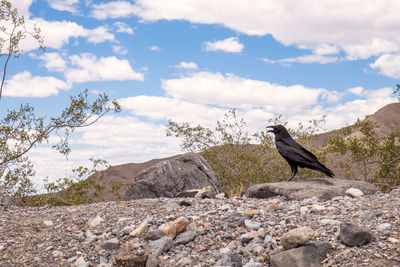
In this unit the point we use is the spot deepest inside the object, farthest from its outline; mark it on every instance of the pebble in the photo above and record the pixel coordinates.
(112, 243)
(95, 222)
(354, 192)
(383, 226)
(48, 223)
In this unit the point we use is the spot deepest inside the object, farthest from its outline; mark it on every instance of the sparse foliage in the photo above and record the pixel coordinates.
(361, 150)
(21, 130)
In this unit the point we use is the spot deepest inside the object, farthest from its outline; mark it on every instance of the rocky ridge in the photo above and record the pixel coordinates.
(203, 232)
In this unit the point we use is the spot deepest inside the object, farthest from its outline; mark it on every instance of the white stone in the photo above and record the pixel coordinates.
(354, 192)
(96, 221)
(304, 210)
(383, 227)
(318, 208)
(48, 223)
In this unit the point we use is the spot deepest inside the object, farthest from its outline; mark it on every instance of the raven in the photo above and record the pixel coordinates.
(295, 154)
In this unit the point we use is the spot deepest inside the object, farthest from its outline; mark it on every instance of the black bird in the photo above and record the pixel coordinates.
(294, 153)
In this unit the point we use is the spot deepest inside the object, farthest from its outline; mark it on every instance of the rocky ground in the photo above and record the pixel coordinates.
(215, 232)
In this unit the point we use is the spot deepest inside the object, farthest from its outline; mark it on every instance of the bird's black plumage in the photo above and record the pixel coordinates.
(294, 153)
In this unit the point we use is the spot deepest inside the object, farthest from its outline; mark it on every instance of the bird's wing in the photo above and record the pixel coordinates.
(292, 150)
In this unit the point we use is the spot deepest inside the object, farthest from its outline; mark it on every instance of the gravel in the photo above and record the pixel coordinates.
(220, 231)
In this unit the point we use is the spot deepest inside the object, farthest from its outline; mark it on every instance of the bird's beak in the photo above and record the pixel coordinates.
(272, 129)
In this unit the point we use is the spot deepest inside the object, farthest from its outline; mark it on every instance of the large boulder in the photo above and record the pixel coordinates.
(322, 188)
(172, 176)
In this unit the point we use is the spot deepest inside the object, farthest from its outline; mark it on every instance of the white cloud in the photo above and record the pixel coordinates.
(118, 49)
(232, 91)
(58, 33)
(23, 84)
(306, 59)
(88, 68)
(361, 28)
(99, 35)
(65, 5)
(123, 27)
(116, 9)
(326, 49)
(186, 65)
(231, 45)
(163, 108)
(155, 48)
(53, 62)
(356, 90)
(388, 65)
(22, 6)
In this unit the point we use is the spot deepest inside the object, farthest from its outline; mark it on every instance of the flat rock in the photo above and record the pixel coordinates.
(322, 188)
(309, 255)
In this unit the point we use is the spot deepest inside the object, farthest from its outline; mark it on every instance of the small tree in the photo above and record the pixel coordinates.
(21, 129)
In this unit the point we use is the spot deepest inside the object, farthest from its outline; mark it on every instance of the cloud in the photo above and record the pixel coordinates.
(65, 5)
(186, 65)
(22, 6)
(88, 68)
(306, 59)
(388, 65)
(232, 91)
(163, 108)
(118, 49)
(99, 35)
(116, 9)
(59, 33)
(53, 62)
(23, 84)
(361, 28)
(155, 48)
(231, 45)
(123, 27)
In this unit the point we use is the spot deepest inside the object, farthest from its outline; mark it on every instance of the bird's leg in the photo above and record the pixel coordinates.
(294, 172)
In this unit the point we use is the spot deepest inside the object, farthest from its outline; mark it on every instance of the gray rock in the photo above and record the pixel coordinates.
(235, 220)
(152, 261)
(250, 225)
(383, 227)
(322, 188)
(231, 259)
(112, 243)
(160, 246)
(353, 235)
(367, 216)
(154, 234)
(169, 177)
(185, 237)
(309, 255)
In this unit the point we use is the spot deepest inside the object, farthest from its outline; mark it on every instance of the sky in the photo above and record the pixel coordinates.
(192, 61)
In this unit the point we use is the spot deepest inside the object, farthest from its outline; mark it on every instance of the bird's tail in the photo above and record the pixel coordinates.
(322, 168)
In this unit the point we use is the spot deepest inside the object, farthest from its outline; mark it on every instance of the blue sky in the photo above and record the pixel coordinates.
(192, 60)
